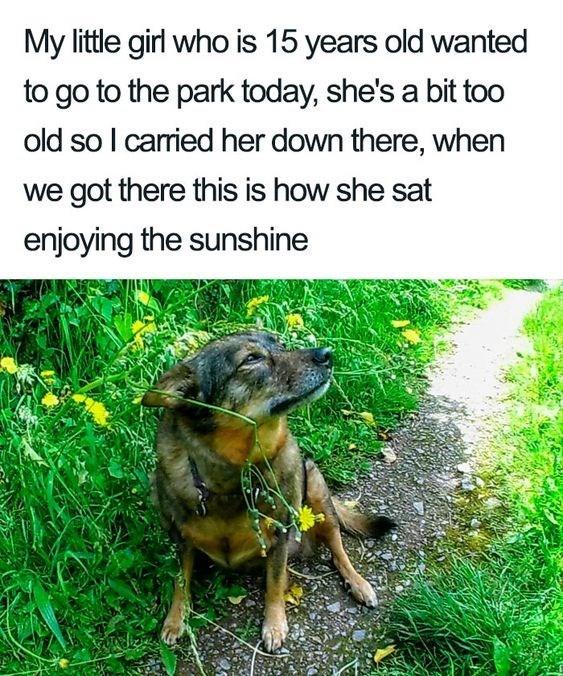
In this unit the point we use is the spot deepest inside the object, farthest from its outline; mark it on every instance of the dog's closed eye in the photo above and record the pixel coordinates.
(252, 358)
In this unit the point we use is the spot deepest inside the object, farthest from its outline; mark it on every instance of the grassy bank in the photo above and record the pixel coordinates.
(82, 557)
(502, 612)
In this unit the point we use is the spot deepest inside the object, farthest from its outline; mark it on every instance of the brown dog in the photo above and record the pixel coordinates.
(201, 454)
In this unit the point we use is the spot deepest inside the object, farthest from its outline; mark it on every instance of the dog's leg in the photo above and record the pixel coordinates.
(174, 623)
(274, 629)
(318, 498)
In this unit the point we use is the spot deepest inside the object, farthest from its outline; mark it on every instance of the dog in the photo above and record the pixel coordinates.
(225, 407)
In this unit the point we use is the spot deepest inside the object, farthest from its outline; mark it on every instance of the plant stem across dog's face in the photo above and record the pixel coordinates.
(248, 373)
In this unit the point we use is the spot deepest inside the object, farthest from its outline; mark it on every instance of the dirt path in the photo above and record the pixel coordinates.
(434, 453)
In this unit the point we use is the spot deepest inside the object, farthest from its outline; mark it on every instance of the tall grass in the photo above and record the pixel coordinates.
(503, 614)
(82, 557)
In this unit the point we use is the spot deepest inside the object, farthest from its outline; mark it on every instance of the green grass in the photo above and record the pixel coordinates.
(502, 613)
(84, 567)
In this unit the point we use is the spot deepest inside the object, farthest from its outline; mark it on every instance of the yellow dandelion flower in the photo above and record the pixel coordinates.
(254, 303)
(143, 297)
(64, 663)
(50, 400)
(138, 399)
(295, 321)
(98, 412)
(96, 409)
(320, 517)
(48, 376)
(9, 365)
(139, 328)
(268, 522)
(412, 335)
(400, 323)
(306, 518)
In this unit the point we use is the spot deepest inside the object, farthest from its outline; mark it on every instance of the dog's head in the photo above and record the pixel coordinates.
(248, 373)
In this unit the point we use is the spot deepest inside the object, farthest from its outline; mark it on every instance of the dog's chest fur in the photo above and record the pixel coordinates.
(230, 542)
(223, 529)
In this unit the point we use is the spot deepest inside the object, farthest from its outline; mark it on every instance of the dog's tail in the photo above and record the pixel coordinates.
(357, 523)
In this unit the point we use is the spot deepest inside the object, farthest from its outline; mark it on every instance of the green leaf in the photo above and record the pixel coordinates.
(32, 454)
(46, 609)
(124, 590)
(123, 325)
(168, 658)
(115, 469)
(104, 306)
(501, 657)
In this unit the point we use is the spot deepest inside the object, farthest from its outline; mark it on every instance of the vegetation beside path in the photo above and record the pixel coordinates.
(500, 611)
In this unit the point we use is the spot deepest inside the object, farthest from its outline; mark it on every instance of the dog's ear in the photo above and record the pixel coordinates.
(179, 383)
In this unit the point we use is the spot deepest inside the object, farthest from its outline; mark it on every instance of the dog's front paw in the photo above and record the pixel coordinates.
(172, 629)
(274, 632)
(363, 592)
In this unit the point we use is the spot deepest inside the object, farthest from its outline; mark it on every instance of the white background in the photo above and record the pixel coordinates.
(493, 215)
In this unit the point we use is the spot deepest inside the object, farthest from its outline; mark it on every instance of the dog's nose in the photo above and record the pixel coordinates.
(323, 356)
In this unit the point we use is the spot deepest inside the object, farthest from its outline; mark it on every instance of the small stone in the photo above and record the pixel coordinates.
(475, 524)
(399, 588)
(394, 537)
(467, 485)
(388, 456)
(419, 507)
(334, 607)
(479, 482)
(492, 503)
(358, 635)
(465, 468)
(387, 556)
(224, 664)
(311, 671)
